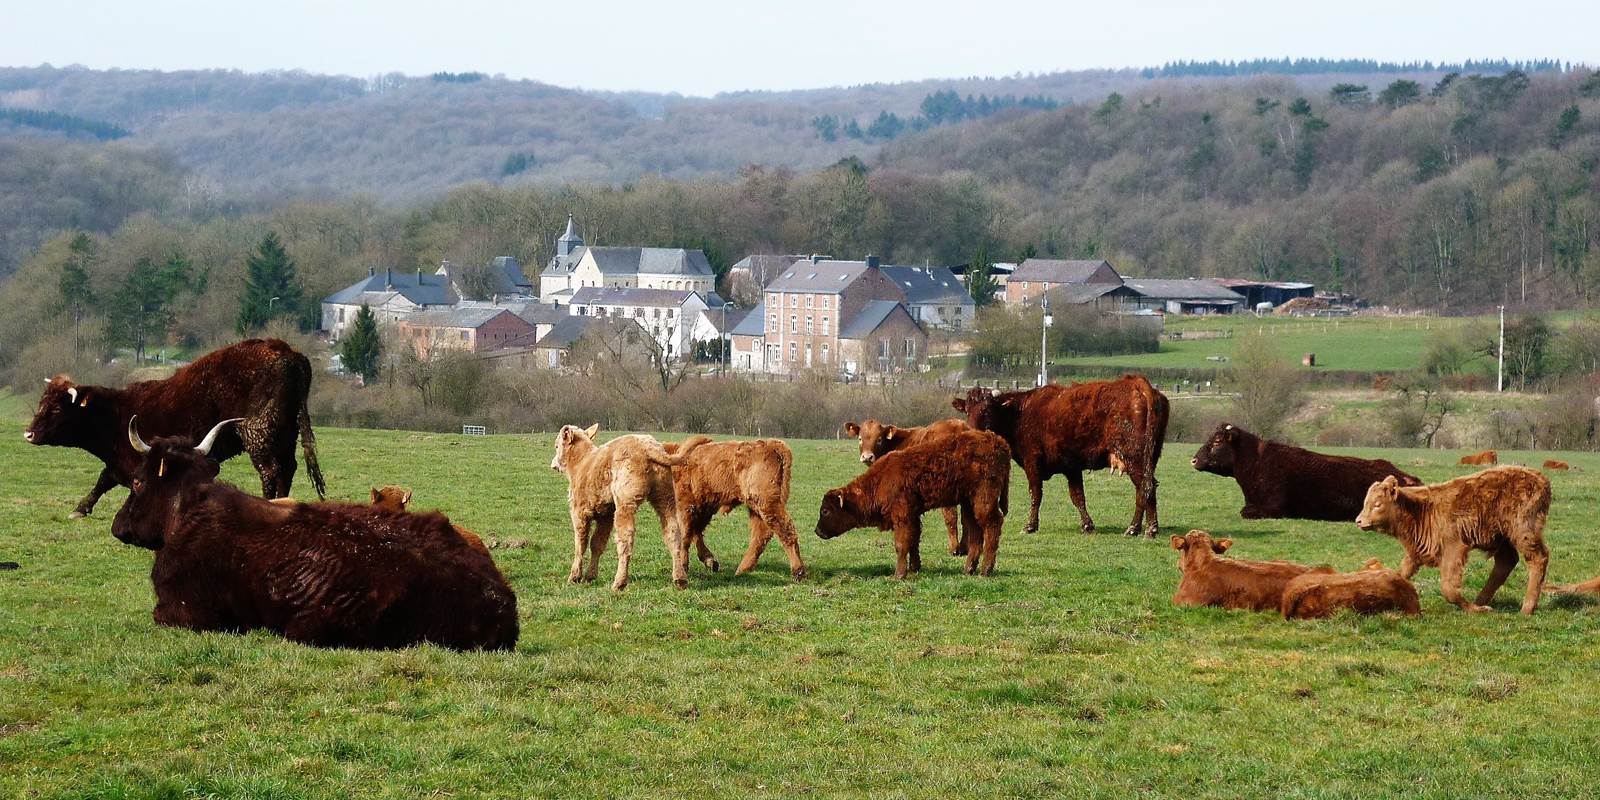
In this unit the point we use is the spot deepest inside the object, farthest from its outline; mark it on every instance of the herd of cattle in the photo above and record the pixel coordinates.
(377, 576)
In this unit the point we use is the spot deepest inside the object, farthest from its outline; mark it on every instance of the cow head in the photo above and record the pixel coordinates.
(392, 498)
(65, 414)
(875, 437)
(171, 465)
(988, 411)
(1197, 547)
(573, 443)
(1216, 455)
(1377, 511)
(837, 515)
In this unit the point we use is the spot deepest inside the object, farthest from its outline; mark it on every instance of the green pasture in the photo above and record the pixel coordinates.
(1067, 673)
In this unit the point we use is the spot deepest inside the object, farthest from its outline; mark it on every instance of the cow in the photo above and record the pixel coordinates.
(262, 381)
(1554, 465)
(1282, 481)
(719, 477)
(606, 484)
(1500, 510)
(877, 438)
(1064, 430)
(1210, 580)
(1371, 590)
(396, 498)
(970, 469)
(1487, 458)
(324, 574)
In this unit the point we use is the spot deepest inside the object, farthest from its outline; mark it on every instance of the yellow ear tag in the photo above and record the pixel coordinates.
(161, 469)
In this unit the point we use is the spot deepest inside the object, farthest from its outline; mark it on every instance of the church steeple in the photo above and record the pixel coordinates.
(568, 241)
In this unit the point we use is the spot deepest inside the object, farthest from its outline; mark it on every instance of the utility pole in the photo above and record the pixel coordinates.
(1500, 355)
(725, 337)
(1044, 342)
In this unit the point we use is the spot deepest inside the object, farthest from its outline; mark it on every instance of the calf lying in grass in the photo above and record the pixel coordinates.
(1371, 590)
(1210, 580)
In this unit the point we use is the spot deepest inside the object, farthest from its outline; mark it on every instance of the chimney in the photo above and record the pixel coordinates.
(371, 271)
(872, 262)
(388, 278)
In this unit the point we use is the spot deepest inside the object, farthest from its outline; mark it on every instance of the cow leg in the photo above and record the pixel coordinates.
(267, 467)
(958, 545)
(1144, 501)
(1409, 564)
(906, 532)
(580, 543)
(1153, 526)
(1075, 488)
(775, 519)
(1538, 557)
(694, 522)
(623, 523)
(1505, 558)
(1452, 564)
(672, 536)
(597, 547)
(105, 483)
(760, 534)
(993, 523)
(1036, 493)
(974, 537)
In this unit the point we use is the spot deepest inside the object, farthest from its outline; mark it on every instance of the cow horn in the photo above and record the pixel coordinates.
(204, 447)
(72, 394)
(133, 437)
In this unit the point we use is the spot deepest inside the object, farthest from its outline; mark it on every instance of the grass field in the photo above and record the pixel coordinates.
(1068, 673)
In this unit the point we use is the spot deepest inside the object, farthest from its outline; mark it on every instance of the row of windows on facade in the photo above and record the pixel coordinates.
(618, 311)
(812, 300)
(794, 324)
(884, 352)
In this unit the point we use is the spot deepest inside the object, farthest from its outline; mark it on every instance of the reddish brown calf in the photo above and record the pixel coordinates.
(1209, 580)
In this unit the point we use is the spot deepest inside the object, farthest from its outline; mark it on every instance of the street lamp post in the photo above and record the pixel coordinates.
(725, 337)
(1500, 355)
(1044, 342)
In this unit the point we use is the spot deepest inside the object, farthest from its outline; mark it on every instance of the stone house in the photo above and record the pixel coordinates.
(577, 266)
(1035, 276)
(431, 334)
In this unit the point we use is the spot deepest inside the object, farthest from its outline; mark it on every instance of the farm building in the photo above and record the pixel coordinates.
(1183, 296)
(935, 297)
(1035, 276)
(1275, 292)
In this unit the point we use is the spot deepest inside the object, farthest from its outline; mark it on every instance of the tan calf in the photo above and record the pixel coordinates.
(606, 485)
(1371, 590)
(718, 477)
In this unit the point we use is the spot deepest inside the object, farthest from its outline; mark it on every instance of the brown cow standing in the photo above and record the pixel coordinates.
(1371, 590)
(326, 574)
(1501, 510)
(877, 438)
(263, 381)
(1064, 430)
(718, 477)
(1282, 481)
(970, 469)
(1487, 458)
(1209, 580)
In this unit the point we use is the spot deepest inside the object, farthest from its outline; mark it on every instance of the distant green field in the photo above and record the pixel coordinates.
(1067, 673)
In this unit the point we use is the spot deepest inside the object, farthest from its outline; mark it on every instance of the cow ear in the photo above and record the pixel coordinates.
(893, 431)
(1389, 480)
(376, 495)
(592, 430)
(1221, 545)
(959, 404)
(83, 400)
(1178, 542)
(852, 429)
(405, 499)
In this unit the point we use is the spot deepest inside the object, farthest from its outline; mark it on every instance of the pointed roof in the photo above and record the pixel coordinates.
(571, 235)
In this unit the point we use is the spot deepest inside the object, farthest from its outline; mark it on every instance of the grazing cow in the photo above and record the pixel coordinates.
(970, 469)
(606, 484)
(1553, 465)
(1282, 481)
(395, 498)
(1209, 580)
(877, 438)
(326, 574)
(1500, 510)
(718, 477)
(1372, 590)
(1064, 430)
(262, 381)
(1487, 458)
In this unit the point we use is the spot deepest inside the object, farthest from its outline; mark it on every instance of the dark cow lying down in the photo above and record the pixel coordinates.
(1281, 481)
(327, 574)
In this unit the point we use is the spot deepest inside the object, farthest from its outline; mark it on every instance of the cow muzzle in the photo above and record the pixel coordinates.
(867, 458)
(1363, 524)
(27, 436)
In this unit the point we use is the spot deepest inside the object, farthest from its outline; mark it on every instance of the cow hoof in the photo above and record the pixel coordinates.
(1131, 531)
(1150, 533)
(959, 551)
(680, 583)
(1088, 527)
(77, 515)
(798, 574)
(712, 564)
(1473, 608)
(1032, 527)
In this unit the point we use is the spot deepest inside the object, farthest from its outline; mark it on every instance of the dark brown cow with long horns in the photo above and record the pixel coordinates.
(264, 382)
(326, 574)
(1064, 430)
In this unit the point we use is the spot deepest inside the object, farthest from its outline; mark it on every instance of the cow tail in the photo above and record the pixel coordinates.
(785, 471)
(676, 459)
(1160, 411)
(308, 440)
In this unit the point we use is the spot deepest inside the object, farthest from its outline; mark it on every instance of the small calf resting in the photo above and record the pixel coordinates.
(971, 470)
(1487, 458)
(396, 498)
(877, 438)
(1209, 580)
(1372, 590)
(326, 574)
(1501, 511)
(719, 477)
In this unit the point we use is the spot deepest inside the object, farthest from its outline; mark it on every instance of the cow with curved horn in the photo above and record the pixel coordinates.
(263, 382)
(326, 574)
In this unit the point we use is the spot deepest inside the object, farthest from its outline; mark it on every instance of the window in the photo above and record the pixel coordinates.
(638, 313)
(794, 301)
(883, 348)
(466, 335)
(669, 313)
(793, 352)
(810, 300)
(655, 313)
(808, 325)
(824, 301)
(772, 300)
(772, 323)
(825, 325)
(824, 352)
(794, 325)
(341, 314)
(1024, 287)
(911, 350)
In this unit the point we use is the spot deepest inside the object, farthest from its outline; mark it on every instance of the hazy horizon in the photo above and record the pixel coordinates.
(707, 47)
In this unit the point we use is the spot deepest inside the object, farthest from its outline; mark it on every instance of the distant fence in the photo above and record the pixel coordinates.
(474, 430)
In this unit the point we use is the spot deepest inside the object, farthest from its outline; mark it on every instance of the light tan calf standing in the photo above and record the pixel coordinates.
(606, 485)
(719, 477)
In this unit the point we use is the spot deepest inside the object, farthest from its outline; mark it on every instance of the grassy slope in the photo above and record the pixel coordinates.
(1067, 673)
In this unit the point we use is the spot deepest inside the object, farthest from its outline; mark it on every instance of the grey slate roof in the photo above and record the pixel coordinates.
(763, 268)
(532, 311)
(1182, 289)
(508, 274)
(823, 277)
(422, 288)
(1080, 293)
(1051, 270)
(929, 285)
(566, 331)
(869, 318)
(630, 296)
(753, 323)
(653, 260)
(456, 317)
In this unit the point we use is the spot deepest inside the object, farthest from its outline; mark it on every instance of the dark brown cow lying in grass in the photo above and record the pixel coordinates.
(1210, 580)
(877, 439)
(1282, 481)
(1501, 511)
(971, 470)
(1371, 590)
(326, 574)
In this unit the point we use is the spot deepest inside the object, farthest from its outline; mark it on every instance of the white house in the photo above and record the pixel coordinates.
(673, 316)
(935, 297)
(576, 266)
(393, 295)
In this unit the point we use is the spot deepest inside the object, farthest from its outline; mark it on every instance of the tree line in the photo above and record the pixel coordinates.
(1326, 66)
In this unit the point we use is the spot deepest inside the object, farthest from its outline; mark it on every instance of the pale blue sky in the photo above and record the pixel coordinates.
(706, 46)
